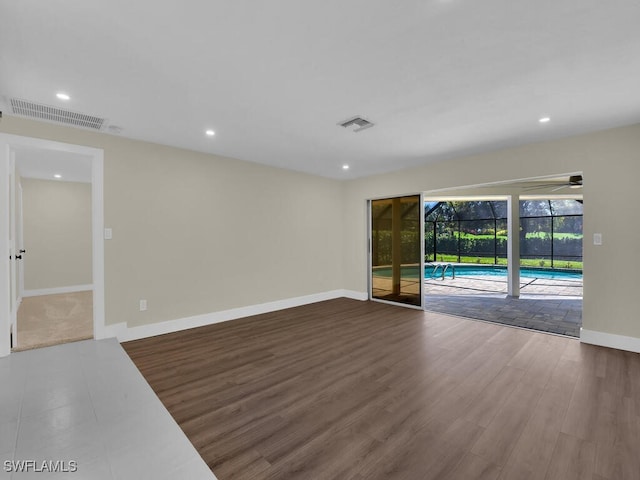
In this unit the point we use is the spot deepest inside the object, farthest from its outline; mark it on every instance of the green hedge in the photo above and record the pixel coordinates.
(480, 246)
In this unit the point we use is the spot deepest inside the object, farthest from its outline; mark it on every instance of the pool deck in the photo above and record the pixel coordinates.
(548, 305)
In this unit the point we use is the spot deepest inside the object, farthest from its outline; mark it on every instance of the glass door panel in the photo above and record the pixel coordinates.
(396, 250)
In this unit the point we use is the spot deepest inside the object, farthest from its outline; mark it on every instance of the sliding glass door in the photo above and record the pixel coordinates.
(396, 250)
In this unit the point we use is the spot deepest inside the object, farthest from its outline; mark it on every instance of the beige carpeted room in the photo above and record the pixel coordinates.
(46, 320)
(54, 239)
(231, 151)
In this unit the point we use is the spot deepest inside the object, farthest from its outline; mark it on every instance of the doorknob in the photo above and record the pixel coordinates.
(22, 251)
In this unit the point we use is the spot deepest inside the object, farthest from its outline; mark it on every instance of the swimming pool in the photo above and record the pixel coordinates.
(482, 270)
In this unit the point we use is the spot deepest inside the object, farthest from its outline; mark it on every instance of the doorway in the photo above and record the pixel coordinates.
(468, 230)
(53, 229)
(29, 165)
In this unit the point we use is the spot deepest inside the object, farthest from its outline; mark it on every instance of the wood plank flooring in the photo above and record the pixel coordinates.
(359, 390)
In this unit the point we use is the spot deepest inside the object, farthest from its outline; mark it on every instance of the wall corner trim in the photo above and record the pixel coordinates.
(110, 331)
(355, 295)
(125, 333)
(611, 340)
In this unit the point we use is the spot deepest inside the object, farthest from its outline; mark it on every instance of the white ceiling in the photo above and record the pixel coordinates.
(44, 164)
(439, 78)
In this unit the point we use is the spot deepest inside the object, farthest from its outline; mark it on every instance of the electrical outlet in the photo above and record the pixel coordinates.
(143, 305)
(597, 239)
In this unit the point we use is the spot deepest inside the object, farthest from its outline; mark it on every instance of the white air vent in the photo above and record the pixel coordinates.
(356, 123)
(55, 114)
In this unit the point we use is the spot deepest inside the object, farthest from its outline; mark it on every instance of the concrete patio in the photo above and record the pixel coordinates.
(548, 305)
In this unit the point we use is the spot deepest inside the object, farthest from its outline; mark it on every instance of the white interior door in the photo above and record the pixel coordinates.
(5, 288)
(13, 251)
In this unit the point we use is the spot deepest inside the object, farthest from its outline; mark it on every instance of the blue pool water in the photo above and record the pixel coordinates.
(473, 270)
(484, 270)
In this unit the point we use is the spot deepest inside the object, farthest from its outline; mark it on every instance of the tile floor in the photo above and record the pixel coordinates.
(562, 316)
(86, 402)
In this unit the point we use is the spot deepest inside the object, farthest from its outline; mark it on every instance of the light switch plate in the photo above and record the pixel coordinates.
(108, 234)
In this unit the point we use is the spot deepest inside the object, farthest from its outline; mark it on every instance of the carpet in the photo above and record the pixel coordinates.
(54, 319)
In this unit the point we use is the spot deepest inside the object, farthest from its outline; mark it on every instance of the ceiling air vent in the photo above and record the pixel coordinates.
(356, 123)
(54, 114)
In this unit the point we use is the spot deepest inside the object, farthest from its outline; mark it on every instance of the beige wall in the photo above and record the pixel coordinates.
(610, 162)
(196, 233)
(57, 233)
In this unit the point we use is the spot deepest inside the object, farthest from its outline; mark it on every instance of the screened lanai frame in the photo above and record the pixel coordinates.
(559, 251)
(447, 223)
(489, 214)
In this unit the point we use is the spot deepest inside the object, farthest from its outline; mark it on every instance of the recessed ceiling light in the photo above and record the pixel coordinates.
(210, 133)
(62, 96)
(544, 119)
(57, 175)
(345, 167)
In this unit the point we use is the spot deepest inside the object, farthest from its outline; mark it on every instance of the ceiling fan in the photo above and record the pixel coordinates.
(575, 181)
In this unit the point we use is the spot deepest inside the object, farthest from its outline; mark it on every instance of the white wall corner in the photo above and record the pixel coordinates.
(602, 339)
(110, 331)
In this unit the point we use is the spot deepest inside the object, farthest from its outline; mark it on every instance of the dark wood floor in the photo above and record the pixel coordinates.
(359, 390)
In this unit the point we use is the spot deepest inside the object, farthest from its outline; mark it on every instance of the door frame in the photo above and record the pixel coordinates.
(19, 242)
(370, 251)
(8, 143)
(13, 249)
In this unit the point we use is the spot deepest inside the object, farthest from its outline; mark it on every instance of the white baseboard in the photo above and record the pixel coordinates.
(125, 333)
(110, 331)
(621, 342)
(56, 290)
(355, 295)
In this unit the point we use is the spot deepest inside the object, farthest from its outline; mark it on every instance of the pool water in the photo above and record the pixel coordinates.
(472, 270)
(484, 270)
